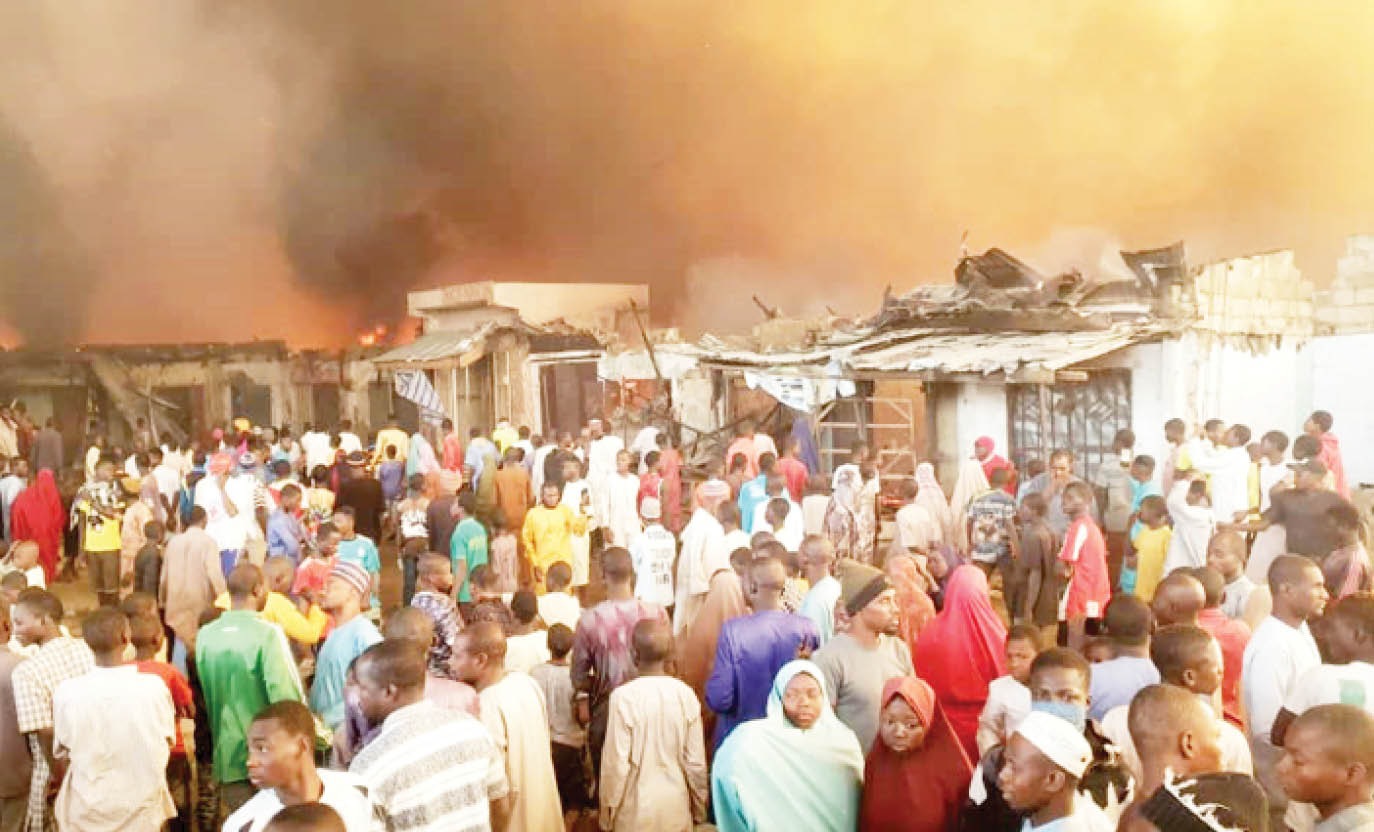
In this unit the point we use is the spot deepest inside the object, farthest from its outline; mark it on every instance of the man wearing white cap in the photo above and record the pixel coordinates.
(1041, 767)
(652, 555)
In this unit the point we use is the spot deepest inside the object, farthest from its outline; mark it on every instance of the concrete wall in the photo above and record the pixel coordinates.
(964, 412)
(598, 306)
(1200, 377)
(1340, 384)
(467, 318)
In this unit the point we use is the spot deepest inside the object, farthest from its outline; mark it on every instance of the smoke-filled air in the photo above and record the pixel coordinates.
(206, 170)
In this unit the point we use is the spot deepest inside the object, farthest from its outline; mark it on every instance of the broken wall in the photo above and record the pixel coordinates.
(1348, 306)
(1262, 294)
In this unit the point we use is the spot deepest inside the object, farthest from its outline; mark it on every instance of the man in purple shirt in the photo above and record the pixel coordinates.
(601, 658)
(752, 648)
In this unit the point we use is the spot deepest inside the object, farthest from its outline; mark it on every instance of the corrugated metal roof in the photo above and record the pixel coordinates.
(993, 352)
(436, 346)
(901, 351)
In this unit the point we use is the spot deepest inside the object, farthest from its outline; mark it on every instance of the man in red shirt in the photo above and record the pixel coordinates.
(1318, 426)
(793, 470)
(1231, 634)
(1083, 564)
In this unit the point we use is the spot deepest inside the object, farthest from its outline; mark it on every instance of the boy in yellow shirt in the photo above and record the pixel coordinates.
(1151, 544)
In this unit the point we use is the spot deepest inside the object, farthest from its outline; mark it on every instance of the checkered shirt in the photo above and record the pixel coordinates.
(34, 681)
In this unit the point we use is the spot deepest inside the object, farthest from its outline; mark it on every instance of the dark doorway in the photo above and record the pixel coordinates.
(189, 414)
(382, 399)
(69, 408)
(324, 405)
(251, 401)
(570, 395)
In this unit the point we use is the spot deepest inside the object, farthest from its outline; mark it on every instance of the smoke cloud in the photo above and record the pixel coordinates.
(201, 169)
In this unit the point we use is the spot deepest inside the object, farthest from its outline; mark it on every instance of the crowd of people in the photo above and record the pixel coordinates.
(576, 636)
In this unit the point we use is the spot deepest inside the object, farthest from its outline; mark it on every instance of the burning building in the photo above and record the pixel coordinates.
(524, 351)
(182, 390)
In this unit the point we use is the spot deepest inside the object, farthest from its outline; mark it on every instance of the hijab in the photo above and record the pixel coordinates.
(920, 791)
(37, 515)
(848, 483)
(962, 650)
(913, 601)
(972, 483)
(840, 523)
(770, 774)
(931, 497)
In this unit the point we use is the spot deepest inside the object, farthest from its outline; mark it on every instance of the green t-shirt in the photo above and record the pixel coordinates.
(244, 665)
(469, 545)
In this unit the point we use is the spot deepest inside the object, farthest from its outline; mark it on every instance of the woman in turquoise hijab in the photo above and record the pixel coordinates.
(797, 768)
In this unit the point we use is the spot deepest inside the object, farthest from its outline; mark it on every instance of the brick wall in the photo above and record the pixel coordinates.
(1348, 306)
(1262, 294)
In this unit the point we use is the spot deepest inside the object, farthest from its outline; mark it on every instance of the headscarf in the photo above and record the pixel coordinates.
(696, 649)
(922, 790)
(841, 521)
(759, 767)
(962, 650)
(914, 604)
(972, 483)
(37, 515)
(931, 497)
(994, 462)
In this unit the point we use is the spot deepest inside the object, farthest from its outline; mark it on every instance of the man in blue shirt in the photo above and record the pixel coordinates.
(284, 530)
(344, 590)
(755, 491)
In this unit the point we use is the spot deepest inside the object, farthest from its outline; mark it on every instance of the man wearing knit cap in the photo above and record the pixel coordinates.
(699, 538)
(344, 591)
(858, 662)
(1041, 767)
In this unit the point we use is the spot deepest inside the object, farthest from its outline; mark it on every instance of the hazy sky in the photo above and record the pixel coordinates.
(205, 169)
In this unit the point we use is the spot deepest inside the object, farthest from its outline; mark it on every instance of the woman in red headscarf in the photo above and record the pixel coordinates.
(917, 774)
(962, 650)
(982, 451)
(37, 515)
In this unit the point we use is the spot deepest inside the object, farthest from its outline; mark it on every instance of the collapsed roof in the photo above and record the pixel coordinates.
(1000, 317)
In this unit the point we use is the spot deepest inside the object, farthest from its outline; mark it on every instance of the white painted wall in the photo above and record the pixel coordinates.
(1196, 378)
(1341, 383)
(980, 409)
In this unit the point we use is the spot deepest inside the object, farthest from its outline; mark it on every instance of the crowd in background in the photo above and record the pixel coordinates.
(580, 633)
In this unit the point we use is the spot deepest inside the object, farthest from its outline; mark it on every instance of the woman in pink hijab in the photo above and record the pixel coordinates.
(962, 650)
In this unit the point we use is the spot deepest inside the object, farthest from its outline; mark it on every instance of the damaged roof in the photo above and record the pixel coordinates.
(1000, 317)
(440, 346)
(468, 345)
(926, 353)
(996, 291)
